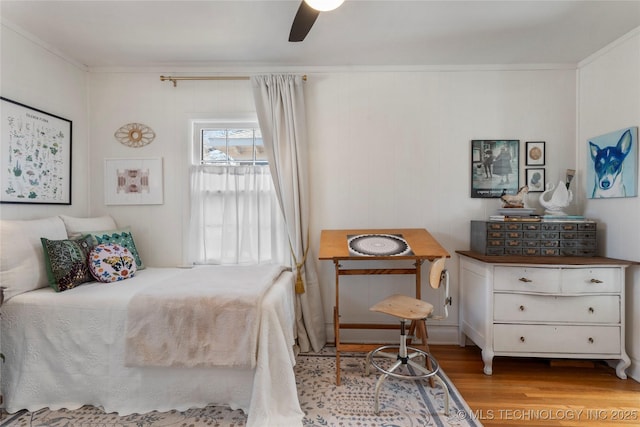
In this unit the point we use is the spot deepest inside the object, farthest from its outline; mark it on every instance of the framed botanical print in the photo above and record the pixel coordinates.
(495, 167)
(535, 155)
(35, 155)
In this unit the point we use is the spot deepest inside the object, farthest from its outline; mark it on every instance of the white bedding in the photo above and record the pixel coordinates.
(65, 350)
(199, 319)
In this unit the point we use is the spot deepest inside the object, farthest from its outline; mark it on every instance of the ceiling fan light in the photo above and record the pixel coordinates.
(324, 5)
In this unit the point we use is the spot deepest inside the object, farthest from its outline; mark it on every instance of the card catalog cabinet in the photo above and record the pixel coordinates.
(534, 238)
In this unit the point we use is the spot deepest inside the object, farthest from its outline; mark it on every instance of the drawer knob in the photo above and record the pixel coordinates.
(590, 340)
(596, 281)
(522, 339)
(591, 310)
(522, 308)
(525, 280)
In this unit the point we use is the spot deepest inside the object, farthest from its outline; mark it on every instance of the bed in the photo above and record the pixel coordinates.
(73, 348)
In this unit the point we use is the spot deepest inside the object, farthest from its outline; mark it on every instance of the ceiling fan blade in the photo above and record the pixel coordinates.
(303, 21)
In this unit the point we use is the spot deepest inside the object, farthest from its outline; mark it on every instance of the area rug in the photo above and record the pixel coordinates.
(402, 403)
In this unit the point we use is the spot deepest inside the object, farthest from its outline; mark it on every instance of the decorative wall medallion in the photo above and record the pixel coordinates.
(135, 135)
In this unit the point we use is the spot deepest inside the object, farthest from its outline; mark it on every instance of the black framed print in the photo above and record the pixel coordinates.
(535, 179)
(495, 167)
(35, 155)
(535, 153)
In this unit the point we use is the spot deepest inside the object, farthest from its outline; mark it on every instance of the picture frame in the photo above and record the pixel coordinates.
(535, 153)
(535, 179)
(612, 164)
(133, 181)
(495, 167)
(35, 155)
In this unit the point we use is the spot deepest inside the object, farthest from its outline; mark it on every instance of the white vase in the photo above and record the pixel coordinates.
(554, 200)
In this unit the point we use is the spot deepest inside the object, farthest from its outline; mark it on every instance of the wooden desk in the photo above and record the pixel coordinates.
(334, 247)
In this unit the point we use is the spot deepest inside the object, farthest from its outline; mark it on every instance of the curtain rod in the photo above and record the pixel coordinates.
(174, 79)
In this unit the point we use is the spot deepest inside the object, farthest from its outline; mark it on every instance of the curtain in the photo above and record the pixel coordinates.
(235, 217)
(281, 113)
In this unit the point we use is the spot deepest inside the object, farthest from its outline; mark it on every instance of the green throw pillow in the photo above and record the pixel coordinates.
(67, 262)
(122, 237)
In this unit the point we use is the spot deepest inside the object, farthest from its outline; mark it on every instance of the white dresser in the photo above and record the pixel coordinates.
(552, 307)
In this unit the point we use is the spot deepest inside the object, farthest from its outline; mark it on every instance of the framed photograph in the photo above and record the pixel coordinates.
(35, 155)
(535, 179)
(133, 181)
(495, 167)
(535, 153)
(612, 164)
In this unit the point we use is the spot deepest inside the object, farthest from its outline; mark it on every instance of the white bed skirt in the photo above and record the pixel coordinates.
(66, 350)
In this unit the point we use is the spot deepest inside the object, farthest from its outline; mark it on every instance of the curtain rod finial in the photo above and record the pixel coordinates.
(171, 79)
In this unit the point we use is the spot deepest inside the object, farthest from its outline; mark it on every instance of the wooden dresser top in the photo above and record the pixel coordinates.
(547, 260)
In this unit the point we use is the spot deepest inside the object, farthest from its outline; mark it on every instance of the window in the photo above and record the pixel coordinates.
(230, 145)
(235, 215)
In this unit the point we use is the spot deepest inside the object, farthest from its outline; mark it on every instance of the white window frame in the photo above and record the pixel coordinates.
(200, 124)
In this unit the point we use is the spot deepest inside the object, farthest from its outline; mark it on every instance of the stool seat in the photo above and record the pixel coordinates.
(404, 307)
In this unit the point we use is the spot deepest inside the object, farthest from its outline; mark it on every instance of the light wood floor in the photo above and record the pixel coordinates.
(541, 392)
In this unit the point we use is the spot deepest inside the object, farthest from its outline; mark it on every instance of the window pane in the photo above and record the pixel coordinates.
(232, 146)
(241, 145)
(214, 145)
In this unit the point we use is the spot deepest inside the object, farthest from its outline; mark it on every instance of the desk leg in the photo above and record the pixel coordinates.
(336, 329)
(336, 321)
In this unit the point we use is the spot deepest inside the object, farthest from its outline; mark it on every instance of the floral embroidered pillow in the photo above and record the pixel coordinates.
(110, 262)
(122, 237)
(66, 262)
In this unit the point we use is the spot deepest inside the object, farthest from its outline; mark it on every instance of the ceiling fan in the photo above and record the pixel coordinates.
(307, 14)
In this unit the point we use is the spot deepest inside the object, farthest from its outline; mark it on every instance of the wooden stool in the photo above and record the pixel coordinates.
(416, 311)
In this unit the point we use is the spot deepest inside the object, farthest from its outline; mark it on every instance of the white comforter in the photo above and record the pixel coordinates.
(65, 350)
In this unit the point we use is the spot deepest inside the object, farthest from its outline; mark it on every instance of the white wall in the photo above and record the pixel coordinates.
(117, 99)
(609, 88)
(392, 149)
(388, 149)
(42, 79)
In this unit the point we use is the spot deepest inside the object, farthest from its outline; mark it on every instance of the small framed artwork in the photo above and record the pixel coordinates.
(612, 164)
(535, 179)
(535, 153)
(35, 155)
(133, 181)
(495, 167)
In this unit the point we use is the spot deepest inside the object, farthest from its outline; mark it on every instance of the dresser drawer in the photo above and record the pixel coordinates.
(557, 339)
(546, 308)
(590, 280)
(527, 279)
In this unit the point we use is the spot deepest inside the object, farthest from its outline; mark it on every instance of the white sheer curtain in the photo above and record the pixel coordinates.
(281, 114)
(235, 216)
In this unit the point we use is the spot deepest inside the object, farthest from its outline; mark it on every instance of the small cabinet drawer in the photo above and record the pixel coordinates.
(533, 339)
(527, 279)
(591, 280)
(548, 308)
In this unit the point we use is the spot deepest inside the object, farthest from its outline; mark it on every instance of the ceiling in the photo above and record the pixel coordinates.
(116, 33)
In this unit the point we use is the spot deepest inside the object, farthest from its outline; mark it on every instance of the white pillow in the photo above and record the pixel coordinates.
(22, 265)
(76, 227)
